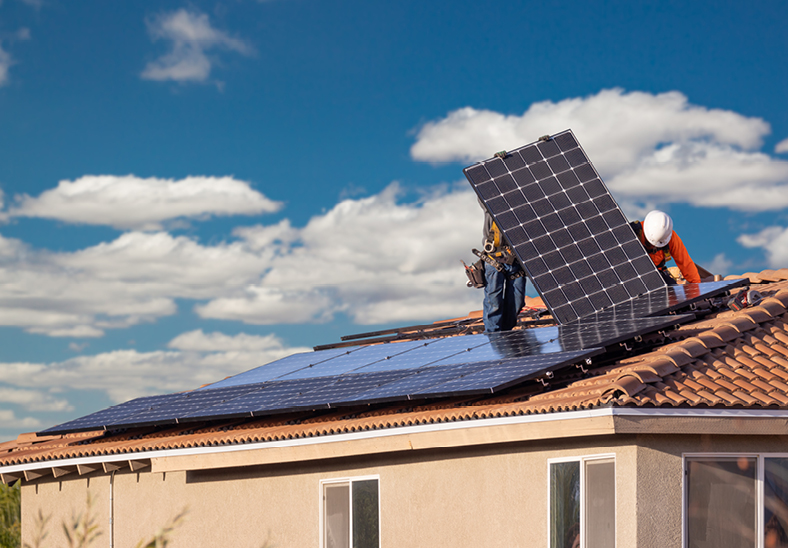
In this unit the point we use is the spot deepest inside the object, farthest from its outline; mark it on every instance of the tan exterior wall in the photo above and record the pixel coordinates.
(483, 496)
(660, 479)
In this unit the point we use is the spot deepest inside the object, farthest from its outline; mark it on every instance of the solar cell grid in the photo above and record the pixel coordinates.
(272, 396)
(363, 357)
(185, 404)
(426, 355)
(278, 368)
(100, 419)
(503, 374)
(420, 380)
(572, 213)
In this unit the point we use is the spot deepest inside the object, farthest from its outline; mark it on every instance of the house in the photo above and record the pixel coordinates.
(678, 441)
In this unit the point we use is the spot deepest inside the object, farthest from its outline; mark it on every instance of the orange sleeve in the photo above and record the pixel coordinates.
(683, 260)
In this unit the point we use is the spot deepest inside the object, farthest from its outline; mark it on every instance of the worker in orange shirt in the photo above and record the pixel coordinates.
(662, 243)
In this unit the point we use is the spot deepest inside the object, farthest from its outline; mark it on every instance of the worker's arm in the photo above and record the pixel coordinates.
(683, 260)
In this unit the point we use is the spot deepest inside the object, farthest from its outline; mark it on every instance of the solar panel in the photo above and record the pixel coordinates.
(188, 403)
(100, 419)
(417, 381)
(669, 299)
(504, 374)
(564, 226)
(273, 396)
(283, 366)
(427, 354)
(366, 357)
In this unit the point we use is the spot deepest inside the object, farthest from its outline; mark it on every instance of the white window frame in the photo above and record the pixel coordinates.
(759, 478)
(349, 481)
(582, 459)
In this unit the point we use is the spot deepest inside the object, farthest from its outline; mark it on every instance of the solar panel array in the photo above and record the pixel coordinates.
(575, 245)
(281, 396)
(565, 228)
(472, 364)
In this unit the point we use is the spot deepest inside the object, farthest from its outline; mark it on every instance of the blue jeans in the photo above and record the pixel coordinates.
(503, 298)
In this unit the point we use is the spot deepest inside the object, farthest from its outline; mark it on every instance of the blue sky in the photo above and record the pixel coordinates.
(191, 189)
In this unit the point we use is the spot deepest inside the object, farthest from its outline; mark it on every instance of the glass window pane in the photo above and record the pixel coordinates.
(721, 502)
(565, 505)
(775, 503)
(337, 515)
(365, 514)
(600, 504)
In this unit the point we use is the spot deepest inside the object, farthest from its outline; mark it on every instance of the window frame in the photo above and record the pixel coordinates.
(349, 480)
(581, 460)
(760, 459)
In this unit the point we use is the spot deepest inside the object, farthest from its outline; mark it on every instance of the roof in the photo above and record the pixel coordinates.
(727, 360)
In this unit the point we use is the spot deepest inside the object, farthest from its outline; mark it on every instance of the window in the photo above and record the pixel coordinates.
(351, 513)
(734, 501)
(583, 503)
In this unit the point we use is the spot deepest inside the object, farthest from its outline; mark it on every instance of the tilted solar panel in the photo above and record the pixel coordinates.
(564, 226)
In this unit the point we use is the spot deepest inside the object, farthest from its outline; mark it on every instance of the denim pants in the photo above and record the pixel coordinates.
(503, 298)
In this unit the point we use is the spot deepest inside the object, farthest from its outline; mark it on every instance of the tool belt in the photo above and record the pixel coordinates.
(498, 259)
(475, 274)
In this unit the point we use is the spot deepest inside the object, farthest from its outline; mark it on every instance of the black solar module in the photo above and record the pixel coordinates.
(284, 366)
(667, 300)
(100, 419)
(503, 374)
(565, 228)
(273, 396)
(185, 404)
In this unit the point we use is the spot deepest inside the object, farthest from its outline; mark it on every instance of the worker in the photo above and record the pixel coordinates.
(662, 243)
(504, 291)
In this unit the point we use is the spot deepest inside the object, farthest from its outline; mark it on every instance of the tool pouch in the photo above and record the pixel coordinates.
(475, 274)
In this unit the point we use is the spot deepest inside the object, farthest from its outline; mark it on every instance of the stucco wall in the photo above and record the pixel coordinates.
(660, 479)
(488, 496)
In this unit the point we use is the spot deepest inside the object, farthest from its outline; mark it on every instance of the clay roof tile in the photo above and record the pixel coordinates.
(760, 384)
(779, 396)
(711, 339)
(746, 397)
(752, 276)
(660, 366)
(741, 322)
(773, 306)
(757, 314)
(782, 296)
(678, 357)
(727, 332)
(746, 360)
(765, 399)
(693, 347)
(764, 374)
(727, 385)
(769, 275)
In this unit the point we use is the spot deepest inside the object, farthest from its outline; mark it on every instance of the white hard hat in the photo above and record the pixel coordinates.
(658, 228)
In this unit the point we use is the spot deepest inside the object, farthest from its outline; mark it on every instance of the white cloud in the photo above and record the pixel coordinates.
(5, 63)
(781, 147)
(9, 421)
(192, 37)
(219, 342)
(198, 359)
(132, 279)
(648, 148)
(129, 202)
(773, 240)
(374, 259)
(33, 400)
